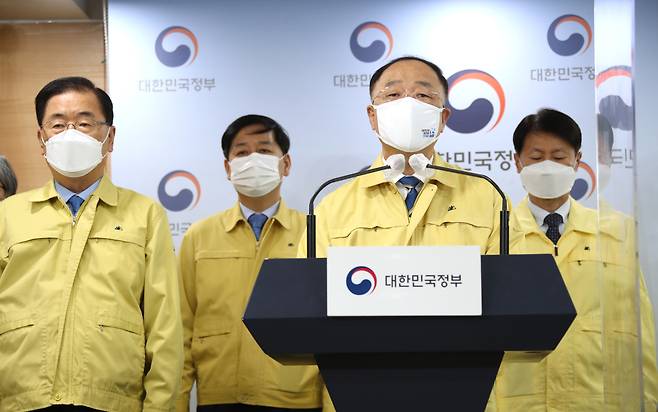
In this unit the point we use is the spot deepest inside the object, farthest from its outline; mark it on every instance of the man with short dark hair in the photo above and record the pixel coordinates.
(89, 304)
(597, 365)
(219, 261)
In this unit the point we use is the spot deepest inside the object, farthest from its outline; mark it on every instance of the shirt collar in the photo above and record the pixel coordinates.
(374, 179)
(104, 189)
(269, 212)
(66, 194)
(283, 215)
(581, 219)
(540, 214)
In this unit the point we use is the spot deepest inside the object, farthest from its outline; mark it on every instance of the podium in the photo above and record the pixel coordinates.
(424, 363)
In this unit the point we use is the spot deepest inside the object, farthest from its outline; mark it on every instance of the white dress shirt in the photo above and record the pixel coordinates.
(540, 214)
(269, 212)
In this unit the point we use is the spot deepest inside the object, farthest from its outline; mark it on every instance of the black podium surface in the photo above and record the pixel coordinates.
(409, 363)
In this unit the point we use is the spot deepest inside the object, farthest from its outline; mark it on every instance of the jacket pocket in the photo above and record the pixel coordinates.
(115, 353)
(223, 280)
(121, 236)
(602, 279)
(584, 360)
(33, 235)
(32, 243)
(123, 258)
(620, 318)
(456, 229)
(15, 322)
(214, 353)
(207, 328)
(21, 353)
(363, 233)
(476, 220)
(121, 323)
(223, 254)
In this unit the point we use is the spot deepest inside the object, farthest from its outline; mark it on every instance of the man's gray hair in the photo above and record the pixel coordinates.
(7, 177)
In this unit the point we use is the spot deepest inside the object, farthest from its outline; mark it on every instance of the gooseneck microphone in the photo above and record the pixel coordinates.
(310, 218)
(504, 213)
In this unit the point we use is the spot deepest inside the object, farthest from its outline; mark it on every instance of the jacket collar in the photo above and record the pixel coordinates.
(374, 179)
(234, 215)
(106, 191)
(580, 219)
(44, 193)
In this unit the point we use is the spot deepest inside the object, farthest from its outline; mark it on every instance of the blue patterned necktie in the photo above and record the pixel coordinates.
(411, 183)
(553, 222)
(257, 221)
(74, 204)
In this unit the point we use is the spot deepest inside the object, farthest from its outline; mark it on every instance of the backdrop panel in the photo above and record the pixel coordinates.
(181, 71)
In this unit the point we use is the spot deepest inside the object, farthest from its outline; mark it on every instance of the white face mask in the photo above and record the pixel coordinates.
(255, 175)
(548, 179)
(73, 153)
(408, 124)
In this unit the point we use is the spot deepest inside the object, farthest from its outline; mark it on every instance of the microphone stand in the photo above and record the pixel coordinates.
(504, 213)
(310, 218)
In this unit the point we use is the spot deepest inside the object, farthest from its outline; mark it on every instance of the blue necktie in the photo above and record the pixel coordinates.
(553, 222)
(74, 203)
(410, 182)
(257, 221)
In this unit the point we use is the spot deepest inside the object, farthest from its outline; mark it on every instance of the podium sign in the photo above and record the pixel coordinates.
(404, 281)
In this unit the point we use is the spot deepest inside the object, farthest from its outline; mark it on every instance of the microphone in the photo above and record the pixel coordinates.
(420, 162)
(504, 213)
(310, 218)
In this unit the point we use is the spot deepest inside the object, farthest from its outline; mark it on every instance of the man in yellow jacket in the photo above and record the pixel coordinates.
(89, 304)
(409, 205)
(597, 365)
(219, 261)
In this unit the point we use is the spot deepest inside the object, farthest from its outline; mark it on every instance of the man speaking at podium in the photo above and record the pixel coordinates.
(403, 206)
(406, 205)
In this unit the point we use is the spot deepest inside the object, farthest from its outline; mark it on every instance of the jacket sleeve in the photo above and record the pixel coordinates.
(162, 323)
(188, 309)
(649, 372)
